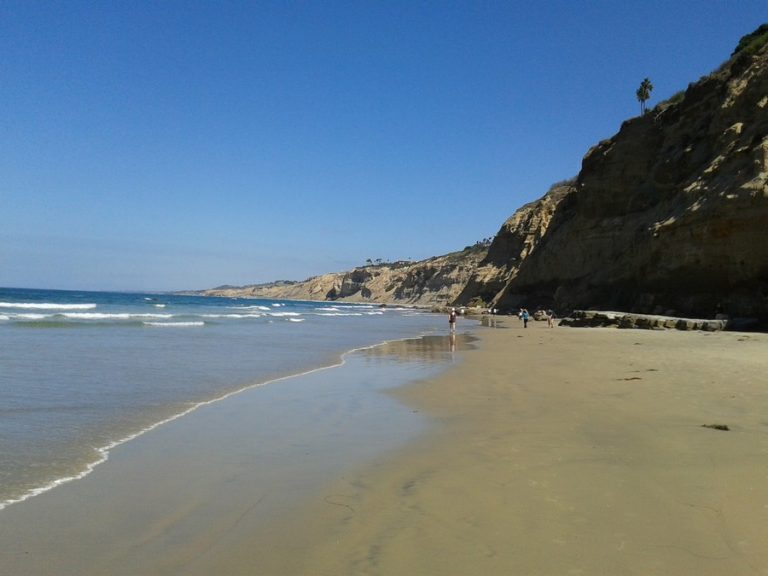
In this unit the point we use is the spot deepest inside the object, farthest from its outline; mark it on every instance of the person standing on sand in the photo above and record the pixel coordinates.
(452, 320)
(525, 317)
(551, 318)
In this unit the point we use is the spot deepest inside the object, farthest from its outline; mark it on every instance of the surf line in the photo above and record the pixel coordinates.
(104, 451)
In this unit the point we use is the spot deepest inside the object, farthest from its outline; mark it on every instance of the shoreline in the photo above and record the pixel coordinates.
(295, 429)
(542, 451)
(103, 452)
(559, 451)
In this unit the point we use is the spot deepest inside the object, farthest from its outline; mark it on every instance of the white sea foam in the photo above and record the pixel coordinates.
(295, 319)
(234, 316)
(4, 317)
(118, 316)
(159, 305)
(175, 324)
(46, 306)
(281, 314)
(340, 314)
(254, 307)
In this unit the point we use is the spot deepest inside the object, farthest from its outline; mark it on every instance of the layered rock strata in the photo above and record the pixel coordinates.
(435, 281)
(669, 214)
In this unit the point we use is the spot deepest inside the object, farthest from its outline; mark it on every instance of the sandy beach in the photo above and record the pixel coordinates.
(543, 451)
(564, 451)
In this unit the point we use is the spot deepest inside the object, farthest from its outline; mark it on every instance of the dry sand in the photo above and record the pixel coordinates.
(563, 451)
(550, 451)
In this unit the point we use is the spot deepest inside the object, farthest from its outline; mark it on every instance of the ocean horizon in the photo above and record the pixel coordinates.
(83, 372)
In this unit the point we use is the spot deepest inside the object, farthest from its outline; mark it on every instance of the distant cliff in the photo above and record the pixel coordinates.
(668, 216)
(435, 281)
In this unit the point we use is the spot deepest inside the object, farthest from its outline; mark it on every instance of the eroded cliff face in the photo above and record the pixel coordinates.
(668, 215)
(514, 242)
(431, 282)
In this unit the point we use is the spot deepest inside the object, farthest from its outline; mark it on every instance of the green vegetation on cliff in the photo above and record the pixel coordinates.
(753, 42)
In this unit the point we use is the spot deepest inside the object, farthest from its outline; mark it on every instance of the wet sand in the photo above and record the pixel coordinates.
(184, 497)
(564, 451)
(544, 451)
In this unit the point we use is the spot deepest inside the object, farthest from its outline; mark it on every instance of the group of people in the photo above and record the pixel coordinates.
(523, 315)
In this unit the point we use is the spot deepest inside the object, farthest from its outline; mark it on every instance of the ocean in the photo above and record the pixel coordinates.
(83, 372)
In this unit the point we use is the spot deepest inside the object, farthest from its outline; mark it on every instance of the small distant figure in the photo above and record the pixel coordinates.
(551, 318)
(526, 317)
(452, 320)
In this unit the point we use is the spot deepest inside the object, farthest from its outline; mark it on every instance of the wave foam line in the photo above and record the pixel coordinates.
(339, 314)
(235, 316)
(46, 306)
(31, 316)
(175, 324)
(116, 316)
(104, 451)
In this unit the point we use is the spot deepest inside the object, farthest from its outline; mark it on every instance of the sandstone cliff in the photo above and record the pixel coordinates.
(670, 214)
(435, 281)
(514, 243)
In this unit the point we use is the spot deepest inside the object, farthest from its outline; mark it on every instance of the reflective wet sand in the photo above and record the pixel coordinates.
(542, 451)
(185, 497)
(564, 451)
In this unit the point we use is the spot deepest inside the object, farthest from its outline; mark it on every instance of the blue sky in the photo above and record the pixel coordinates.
(173, 145)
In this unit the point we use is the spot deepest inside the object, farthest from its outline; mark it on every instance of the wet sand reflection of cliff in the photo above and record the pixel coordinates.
(428, 349)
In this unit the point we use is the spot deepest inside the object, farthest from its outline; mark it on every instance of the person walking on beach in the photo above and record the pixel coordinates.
(551, 318)
(526, 316)
(452, 320)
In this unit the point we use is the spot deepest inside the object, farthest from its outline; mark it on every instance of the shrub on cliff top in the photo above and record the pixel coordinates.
(753, 42)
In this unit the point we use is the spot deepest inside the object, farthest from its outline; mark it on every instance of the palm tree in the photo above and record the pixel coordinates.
(643, 93)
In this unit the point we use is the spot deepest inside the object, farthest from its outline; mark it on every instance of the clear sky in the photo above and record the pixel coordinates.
(163, 145)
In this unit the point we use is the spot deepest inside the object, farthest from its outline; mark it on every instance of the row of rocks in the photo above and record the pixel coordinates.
(598, 318)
